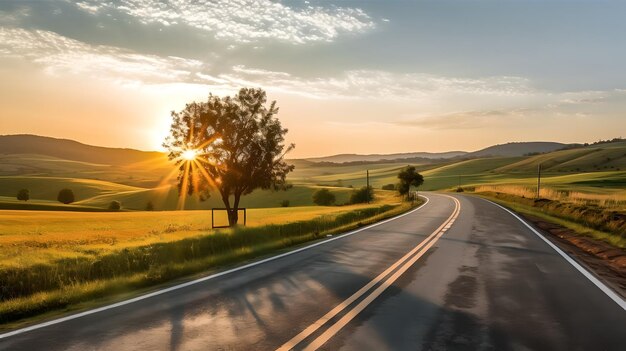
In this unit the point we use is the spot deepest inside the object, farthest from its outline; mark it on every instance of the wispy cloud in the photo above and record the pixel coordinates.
(426, 100)
(373, 84)
(14, 17)
(59, 54)
(245, 20)
(469, 119)
(91, 8)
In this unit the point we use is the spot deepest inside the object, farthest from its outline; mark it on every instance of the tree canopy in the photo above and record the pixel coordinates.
(66, 196)
(231, 144)
(23, 195)
(324, 197)
(409, 177)
(362, 195)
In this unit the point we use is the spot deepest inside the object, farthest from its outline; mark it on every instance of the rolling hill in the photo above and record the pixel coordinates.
(517, 149)
(72, 150)
(502, 150)
(602, 157)
(344, 158)
(100, 175)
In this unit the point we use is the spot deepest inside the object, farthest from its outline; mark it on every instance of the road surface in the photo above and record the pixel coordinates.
(458, 273)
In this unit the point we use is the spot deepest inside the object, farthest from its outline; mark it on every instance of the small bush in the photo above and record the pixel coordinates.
(362, 195)
(284, 203)
(149, 206)
(115, 206)
(66, 196)
(389, 187)
(459, 190)
(324, 197)
(23, 195)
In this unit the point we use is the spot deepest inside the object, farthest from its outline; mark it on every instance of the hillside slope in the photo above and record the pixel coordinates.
(517, 149)
(604, 157)
(74, 151)
(343, 158)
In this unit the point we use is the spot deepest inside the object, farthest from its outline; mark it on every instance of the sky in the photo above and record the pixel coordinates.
(348, 76)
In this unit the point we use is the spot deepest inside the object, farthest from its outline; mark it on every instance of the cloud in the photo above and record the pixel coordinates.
(469, 119)
(373, 84)
(425, 98)
(15, 16)
(245, 21)
(59, 54)
(91, 8)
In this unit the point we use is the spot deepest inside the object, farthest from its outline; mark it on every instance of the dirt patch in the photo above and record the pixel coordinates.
(606, 261)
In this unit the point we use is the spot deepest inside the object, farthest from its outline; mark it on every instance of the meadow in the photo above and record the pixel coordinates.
(53, 260)
(72, 256)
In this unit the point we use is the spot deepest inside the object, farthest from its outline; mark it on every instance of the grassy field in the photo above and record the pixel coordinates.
(29, 238)
(91, 193)
(53, 260)
(594, 169)
(60, 258)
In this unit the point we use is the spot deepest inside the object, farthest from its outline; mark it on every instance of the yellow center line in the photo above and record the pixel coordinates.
(425, 244)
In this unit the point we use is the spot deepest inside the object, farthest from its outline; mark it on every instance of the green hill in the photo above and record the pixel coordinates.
(142, 178)
(75, 151)
(603, 157)
(92, 194)
(517, 149)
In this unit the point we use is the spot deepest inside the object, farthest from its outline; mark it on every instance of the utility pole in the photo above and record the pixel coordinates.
(368, 185)
(538, 180)
(459, 180)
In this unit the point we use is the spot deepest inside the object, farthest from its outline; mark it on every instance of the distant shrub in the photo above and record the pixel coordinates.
(459, 190)
(362, 195)
(149, 206)
(284, 203)
(115, 206)
(324, 197)
(66, 196)
(23, 195)
(389, 187)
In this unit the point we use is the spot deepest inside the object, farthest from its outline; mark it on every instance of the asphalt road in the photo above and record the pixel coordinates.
(453, 275)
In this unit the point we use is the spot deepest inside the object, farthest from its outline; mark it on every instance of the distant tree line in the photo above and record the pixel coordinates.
(66, 196)
(408, 178)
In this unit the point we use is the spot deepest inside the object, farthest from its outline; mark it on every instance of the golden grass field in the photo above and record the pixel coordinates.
(39, 237)
(614, 201)
(51, 261)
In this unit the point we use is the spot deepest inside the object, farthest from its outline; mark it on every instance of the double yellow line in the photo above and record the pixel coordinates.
(403, 263)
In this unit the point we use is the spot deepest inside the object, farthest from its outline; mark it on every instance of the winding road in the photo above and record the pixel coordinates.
(458, 273)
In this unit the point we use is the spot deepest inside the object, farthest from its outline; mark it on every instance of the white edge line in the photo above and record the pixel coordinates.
(203, 279)
(610, 293)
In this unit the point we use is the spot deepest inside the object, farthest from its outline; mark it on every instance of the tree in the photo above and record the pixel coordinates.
(23, 195)
(232, 145)
(149, 206)
(324, 197)
(409, 177)
(389, 187)
(364, 194)
(66, 196)
(115, 205)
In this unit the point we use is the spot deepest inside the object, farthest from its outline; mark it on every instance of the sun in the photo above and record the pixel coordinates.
(189, 155)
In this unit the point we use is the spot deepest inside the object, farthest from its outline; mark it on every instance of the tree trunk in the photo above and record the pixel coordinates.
(233, 214)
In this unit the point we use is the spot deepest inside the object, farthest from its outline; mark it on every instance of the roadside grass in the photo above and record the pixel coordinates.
(615, 200)
(592, 221)
(72, 282)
